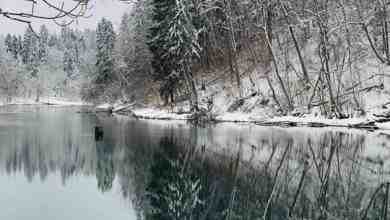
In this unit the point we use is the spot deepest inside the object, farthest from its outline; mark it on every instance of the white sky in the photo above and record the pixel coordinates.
(111, 9)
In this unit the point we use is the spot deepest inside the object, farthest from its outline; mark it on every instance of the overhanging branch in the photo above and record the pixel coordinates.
(79, 10)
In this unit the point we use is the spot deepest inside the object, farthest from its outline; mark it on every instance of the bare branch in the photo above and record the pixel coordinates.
(79, 10)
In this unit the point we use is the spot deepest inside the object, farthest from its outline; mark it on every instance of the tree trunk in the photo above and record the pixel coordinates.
(372, 45)
(268, 41)
(233, 49)
(191, 83)
(296, 45)
(325, 67)
(274, 61)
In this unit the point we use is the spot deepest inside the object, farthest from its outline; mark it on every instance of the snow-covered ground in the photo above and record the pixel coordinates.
(160, 114)
(255, 110)
(251, 117)
(264, 116)
(240, 117)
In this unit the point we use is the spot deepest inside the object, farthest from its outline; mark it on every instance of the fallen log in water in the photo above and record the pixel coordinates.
(381, 120)
(125, 110)
(278, 123)
(127, 113)
(370, 125)
(382, 117)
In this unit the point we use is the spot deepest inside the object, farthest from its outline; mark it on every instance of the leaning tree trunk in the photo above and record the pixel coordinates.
(325, 68)
(296, 45)
(268, 41)
(276, 68)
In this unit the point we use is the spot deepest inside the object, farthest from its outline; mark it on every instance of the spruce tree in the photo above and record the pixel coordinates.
(30, 52)
(15, 47)
(174, 42)
(105, 40)
(163, 64)
(27, 44)
(53, 41)
(43, 44)
(8, 43)
(20, 46)
(11, 44)
(68, 63)
(163, 12)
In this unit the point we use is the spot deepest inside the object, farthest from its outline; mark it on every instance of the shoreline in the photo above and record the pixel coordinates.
(50, 101)
(369, 123)
(366, 123)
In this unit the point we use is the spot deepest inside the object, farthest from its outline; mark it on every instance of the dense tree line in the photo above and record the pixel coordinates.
(42, 63)
(300, 54)
(296, 55)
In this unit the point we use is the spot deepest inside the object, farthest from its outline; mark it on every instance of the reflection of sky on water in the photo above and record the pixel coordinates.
(49, 199)
(48, 165)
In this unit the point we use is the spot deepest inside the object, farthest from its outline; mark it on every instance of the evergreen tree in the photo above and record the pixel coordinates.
(183, 43)
(68, 63)
(15, 47)
(8, 43)
(30, 53)
(163, 65)
(65, 36)
(105, 40)
(53, 41)
(78, 45)
(20, 46)
(12, 45)
(73, 46)
(174, 42)
(125, 39)
(134, 61)
(161, 16)
(26, 51)
(43, 44)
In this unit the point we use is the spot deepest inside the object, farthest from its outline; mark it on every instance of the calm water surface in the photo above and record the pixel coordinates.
(52, 166)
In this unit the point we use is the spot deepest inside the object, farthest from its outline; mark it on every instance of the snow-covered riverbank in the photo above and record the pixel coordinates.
(377, 120)
(371, 121)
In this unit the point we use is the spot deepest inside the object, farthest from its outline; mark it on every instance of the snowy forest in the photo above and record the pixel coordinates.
(121, 118)
(268, 57)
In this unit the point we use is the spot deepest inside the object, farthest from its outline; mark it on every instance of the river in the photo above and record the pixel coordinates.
(57, 163)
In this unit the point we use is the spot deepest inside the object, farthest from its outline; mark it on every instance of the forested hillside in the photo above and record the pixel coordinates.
(277, 57)
(46, 64)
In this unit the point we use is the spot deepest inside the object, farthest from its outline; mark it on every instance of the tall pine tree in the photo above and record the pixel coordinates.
(15, 47)
(163, 65)
(30, 52)
(68, 63)
(8, 43)
(105, 40)
(43, 44)
(174, 42)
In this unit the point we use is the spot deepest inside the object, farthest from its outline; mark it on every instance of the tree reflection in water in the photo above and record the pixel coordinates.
(326, 178)
(193, 173)
(105, 172)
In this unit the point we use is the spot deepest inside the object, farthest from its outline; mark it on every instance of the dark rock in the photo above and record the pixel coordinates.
(99, 133)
